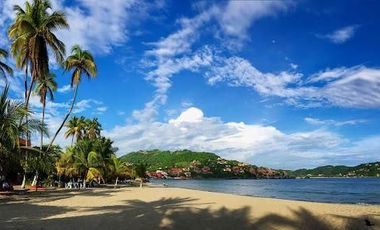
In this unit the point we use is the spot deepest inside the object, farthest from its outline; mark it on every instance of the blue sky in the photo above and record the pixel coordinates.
(285, 84)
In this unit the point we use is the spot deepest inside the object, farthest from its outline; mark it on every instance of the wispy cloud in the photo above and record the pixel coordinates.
(64, 89)
(350, 87)
(330, 122)
(174, 53)
(341, 35)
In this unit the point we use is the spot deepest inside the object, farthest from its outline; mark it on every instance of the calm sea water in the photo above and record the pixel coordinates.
(335, 190)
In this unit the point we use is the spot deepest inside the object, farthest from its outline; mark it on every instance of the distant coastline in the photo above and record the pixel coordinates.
(187, 164)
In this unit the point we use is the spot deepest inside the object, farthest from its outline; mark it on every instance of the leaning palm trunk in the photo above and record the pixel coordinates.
(66, 117)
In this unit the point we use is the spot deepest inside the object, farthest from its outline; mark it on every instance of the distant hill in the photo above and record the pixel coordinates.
(158, 159)
(189, 164)
(362, 170)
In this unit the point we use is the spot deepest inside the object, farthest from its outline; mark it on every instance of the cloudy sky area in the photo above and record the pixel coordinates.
(284, 84)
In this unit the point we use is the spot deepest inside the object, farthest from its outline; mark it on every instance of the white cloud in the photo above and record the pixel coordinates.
(355, 87)
(315, 121)
(102, 109)
(95, 25)
(342, 35)
(160, 78)
(259, 144)
(238, 16)
(293, 66)
(64, 89)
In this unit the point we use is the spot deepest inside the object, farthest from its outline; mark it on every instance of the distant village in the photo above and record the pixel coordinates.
(220, 169)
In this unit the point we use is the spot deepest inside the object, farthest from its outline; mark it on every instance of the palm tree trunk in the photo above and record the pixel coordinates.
(65, 119)
(23, 181)
(141, 182)
(26, 136)
(72, 140)
(42, 122)
(117, 179)
(26, 82)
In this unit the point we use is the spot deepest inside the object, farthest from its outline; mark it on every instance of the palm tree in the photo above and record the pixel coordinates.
(80, 62)
(140, 171)
(4, 68)
(119, 168)
(75, 128)
(32, 35)
(93, 128)
(87, 161)
(65, 164)
(45, 87)
(10, 114)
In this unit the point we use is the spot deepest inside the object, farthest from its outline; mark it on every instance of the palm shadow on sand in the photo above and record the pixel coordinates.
(168, 214)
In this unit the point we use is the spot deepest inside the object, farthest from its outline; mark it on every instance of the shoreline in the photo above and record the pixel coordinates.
(175, 208)
(267, 197)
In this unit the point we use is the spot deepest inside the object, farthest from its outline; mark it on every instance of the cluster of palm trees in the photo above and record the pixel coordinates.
(82, 128)
(93, 159)
(33, 41)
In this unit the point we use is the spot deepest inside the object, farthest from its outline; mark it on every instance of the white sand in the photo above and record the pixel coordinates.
(174, 208)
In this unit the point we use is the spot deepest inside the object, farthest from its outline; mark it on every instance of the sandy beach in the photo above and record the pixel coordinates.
(174, 208)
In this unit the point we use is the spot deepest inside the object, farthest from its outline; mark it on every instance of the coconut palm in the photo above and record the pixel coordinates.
(75, 128)
(88, 162)
(118, 168)
(32, 35)
(93, 128)
(4, 68)
(81, 62)
(45, 87)
(10, 114)
(140, 171)
(65, 164)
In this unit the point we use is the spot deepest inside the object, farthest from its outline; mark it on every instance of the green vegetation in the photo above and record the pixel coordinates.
(189, 164)
(362, 170)
(157, 159)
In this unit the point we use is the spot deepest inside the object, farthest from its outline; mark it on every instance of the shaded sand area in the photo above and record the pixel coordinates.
(174, 208)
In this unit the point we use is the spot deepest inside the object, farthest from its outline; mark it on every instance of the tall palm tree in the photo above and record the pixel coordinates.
(80, 62)
(93, 128)
(4, 68)
(44, 88)
(32, 35)
(75, 129)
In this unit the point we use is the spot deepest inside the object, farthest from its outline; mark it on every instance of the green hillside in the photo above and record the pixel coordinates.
(158, 159)
(362, 170)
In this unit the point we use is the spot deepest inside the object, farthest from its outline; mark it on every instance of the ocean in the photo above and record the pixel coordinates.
(331, 190)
